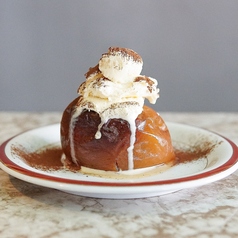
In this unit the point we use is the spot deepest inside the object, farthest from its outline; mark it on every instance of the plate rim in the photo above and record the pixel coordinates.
(9, 167)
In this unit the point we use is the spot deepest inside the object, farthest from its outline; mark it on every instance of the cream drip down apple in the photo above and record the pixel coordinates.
(108, 127)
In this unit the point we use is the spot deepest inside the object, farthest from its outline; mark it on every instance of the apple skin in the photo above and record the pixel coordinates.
(109, 152)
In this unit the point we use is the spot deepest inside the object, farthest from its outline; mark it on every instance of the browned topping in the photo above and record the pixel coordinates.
(144, 78)
(81, 87)
(84, 104)
(79, 101)
(125, 52)
(92, 70)
(99, 82)
(123, 104)
(147, 80)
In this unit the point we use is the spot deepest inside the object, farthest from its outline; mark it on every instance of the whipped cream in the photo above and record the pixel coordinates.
(114, 88)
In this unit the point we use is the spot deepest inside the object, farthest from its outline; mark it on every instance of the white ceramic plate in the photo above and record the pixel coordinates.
(221, 162)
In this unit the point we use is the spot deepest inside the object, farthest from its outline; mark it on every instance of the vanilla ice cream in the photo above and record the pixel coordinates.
(114, 88)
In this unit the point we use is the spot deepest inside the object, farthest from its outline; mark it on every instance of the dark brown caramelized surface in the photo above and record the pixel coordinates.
(153, 143)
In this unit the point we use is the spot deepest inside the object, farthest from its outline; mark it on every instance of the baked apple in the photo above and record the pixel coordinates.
(108, 127)
(152, 145)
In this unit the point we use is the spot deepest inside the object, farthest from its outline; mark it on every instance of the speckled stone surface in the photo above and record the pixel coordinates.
(28, 210)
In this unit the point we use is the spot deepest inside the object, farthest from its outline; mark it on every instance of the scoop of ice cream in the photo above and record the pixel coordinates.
(101, 87)
(115, 89)
(117, 77)
(120, 65)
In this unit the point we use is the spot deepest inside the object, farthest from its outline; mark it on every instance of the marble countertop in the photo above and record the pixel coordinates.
(28, 210)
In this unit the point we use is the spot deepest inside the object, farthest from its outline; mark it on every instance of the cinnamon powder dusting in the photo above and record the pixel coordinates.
(200, 151)
(49, 158)
(46, 158)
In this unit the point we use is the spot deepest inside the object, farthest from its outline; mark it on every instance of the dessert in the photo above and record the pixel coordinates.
(108, 127)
